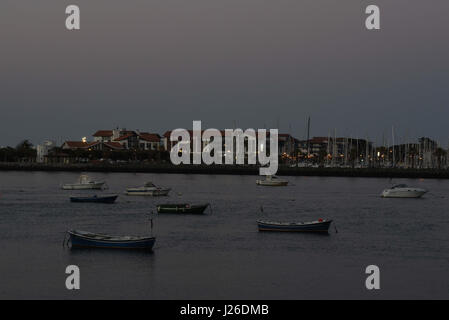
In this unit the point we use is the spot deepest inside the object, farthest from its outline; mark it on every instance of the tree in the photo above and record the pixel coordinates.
(25, 151)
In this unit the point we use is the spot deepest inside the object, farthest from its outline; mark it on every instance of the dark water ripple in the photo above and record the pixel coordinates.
(221, 254)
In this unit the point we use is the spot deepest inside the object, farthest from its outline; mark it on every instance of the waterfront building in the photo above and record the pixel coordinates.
(90, 146)
(43, 149)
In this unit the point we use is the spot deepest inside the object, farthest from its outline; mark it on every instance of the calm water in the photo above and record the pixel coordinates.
(221, 255)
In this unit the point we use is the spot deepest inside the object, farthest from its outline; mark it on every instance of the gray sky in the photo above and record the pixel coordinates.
(158, 65)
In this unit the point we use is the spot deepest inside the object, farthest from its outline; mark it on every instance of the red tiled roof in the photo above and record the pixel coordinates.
(114, 145)
(168, 133)
(124, 137)
(78, 144)
(103, 133)
(150, 137)
(86, 145)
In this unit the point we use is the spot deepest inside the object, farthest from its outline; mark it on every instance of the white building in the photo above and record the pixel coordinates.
(43, 149)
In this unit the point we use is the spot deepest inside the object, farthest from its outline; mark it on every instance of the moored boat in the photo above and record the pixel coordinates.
(272, 181)
(403, 191)
(313, 226)
(149, 189)
(84, 183)
(83, 239)
(182, 208)
(95, 199)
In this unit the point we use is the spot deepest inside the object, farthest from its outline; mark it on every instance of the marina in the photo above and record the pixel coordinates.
(200, 155)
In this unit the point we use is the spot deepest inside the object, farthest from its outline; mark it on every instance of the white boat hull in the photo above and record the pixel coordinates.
(154, 193)
(84, 186)
(413, 193)
(271, 183)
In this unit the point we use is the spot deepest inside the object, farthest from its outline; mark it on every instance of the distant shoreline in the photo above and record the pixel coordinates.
(231, 170)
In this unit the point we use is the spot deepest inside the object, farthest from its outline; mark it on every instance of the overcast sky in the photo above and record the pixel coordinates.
(156, 65)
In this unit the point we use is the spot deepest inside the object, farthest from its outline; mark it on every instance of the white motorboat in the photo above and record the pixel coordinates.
(149, 189)
(403, 191)
(272, 181)
(84, 183)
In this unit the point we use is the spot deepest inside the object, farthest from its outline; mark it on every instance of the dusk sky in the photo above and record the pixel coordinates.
(158, 65)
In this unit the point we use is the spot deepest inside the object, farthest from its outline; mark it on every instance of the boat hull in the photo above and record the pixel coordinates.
(82, 186)
(403, 194)
(182, 208)
(292, 227)
(271, 184)
(82, 241)
(154, 193)
(110, 199)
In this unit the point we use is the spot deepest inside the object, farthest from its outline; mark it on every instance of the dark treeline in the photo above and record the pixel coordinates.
(26, 152)
(59, 155)
(23, 152)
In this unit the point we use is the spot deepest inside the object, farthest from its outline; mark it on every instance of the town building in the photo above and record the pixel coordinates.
(89, 146)
(43, 149)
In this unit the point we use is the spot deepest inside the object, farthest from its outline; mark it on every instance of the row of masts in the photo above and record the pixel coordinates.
(349, 151)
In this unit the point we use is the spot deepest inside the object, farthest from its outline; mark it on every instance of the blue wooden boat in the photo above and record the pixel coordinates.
(313, 226)
(95, 199)
(83, 239)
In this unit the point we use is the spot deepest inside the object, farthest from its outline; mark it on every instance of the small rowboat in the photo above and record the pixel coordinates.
(182, 208)
(82, 239)
(95, 199)
(313, 226)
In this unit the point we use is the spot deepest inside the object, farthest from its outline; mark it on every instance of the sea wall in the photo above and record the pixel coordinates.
(230, 170)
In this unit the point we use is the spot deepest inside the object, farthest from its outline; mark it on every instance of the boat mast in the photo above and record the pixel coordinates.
(392, 134)
(334, 151)
(308, 138)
